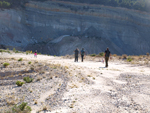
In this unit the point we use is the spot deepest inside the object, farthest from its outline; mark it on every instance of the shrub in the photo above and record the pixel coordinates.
(29, 62)
(147, 54)
(28, 79)
(124, 56)
(19, 83)
(114, 55)
(14, 50)
(17, 51)
(92, 55)
(5, 64)
(21, 107)
(1, 50)
(101, 54)
(129, 59)
(20, 59)
(32, 68)
(44, 108)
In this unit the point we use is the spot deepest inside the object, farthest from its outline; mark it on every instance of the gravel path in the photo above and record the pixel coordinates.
(86, 87)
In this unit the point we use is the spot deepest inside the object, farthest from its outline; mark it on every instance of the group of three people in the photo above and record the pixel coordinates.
(82, 53)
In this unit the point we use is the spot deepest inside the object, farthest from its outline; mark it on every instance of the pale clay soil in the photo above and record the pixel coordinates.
(86, 87)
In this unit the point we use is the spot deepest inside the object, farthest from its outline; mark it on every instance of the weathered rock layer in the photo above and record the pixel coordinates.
(57, 28)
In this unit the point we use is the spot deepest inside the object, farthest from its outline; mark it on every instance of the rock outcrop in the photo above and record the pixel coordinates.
(58, 27)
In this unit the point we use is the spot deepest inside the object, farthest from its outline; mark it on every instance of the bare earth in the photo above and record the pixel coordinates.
(88, 87)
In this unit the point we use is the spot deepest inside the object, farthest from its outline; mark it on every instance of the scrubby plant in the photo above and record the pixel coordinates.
(32, 68)
(1, 50)
(28, 79)
(44, 108)
(129, 59)
(19, 83)
(14, 50)
(92, 55)
(5, 64)
(35, 102)
(29, 62)
(101, 54)
(17, 51)
(114, 55)
(22, 108)
(147, 54)
(124, 56)
(20, 59)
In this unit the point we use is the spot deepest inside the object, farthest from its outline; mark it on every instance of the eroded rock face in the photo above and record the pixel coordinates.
(57, 28)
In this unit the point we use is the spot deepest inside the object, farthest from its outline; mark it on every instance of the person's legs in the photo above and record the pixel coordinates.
(76, 58)
(82, 56)
(106, 61)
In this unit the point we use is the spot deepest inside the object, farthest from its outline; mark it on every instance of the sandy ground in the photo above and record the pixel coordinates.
(120, 88)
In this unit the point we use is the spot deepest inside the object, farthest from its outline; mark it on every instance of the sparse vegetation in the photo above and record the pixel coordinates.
(29, 62)
(124, 56)
(44, 108)
(101, 54)
(147, 54)
(129, 59)
(14, 50)
(19, 83)
(22, 108)
(20, 59)
(4, 4)
(93, 55)
(28, 79)
(5, 64)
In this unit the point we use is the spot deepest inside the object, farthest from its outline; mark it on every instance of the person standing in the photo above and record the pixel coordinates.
(35, 54)
(76, 51)
(107, 55)
(82, 53)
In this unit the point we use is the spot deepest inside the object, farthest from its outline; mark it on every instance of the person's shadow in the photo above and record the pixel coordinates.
(102, 67)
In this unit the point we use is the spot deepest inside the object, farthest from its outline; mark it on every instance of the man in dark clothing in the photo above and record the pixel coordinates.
(82, 53)
(107, 55)
(76, 54)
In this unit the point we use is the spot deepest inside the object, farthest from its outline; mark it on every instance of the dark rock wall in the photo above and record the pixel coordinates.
(57, 28)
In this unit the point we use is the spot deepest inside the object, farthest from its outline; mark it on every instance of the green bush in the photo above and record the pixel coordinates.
(129, 59)
(17, 51)
(14, 50)
(20, 59)
(19, 83)
(92, 55)
(5, 64)
(22, 107)
(28, 79)
(29, 62)
(101, 54)
(1, 50)
(4, 4)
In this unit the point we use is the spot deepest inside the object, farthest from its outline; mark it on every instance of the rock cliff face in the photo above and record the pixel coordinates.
(58, 27)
